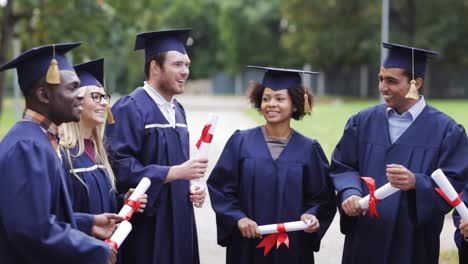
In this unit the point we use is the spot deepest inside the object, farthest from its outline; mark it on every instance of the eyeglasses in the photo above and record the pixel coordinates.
(97, 97)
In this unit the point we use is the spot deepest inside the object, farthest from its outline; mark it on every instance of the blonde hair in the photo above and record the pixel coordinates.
(70, 137)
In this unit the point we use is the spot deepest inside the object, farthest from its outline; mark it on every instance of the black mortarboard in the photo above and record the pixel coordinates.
(280, 78)
(34, 64)
(400, 56)
(91, 72)
(159, 41)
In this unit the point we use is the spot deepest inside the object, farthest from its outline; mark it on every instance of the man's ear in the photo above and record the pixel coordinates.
(154, 67)
(42, 95)
(419, 83)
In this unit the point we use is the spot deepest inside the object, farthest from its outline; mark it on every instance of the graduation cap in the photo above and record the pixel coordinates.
(281, 78)
(92, 73)
(411, 59)
(160, 41)
(41, 61)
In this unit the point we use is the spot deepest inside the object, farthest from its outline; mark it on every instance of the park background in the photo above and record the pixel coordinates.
(339, 38)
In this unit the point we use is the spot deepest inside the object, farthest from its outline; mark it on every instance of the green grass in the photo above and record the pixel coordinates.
(8, 116)
(329, 116)
(448, 257)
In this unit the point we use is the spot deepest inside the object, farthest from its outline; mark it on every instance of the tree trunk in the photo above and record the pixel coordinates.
(7, 29)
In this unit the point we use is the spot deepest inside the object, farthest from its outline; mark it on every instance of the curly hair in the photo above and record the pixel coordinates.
(255, 94)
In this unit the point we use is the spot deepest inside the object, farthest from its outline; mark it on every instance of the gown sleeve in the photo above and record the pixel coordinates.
(223, 186)
(454, 163)
(29, 226)
(344, 165)
(320, 198)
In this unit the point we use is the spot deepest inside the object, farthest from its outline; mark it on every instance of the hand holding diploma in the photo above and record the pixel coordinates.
(463, 226)
(133, 203)
(351, 206)
(104, 225)
(449, 194)
(143, 200)
(311, 221)
(400, 177)
(197, 195)
(248, 228)
(369, 202)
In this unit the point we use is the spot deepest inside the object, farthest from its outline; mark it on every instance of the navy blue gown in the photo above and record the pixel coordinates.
(36, 217)
(247, 182)
(142, 144)
(410, 221)
(97, 196)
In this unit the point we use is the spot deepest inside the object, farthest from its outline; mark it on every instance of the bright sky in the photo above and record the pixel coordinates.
(3, 2)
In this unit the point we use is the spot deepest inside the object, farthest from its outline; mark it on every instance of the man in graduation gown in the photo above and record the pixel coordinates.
(402, 142)
(37, 224)
(150, 139)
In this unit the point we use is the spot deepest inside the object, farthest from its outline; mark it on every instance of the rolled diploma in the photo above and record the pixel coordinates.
(381, 193)
(121, 233)
(141, 188)
(289, 226)
(202, 151)
(439, 177)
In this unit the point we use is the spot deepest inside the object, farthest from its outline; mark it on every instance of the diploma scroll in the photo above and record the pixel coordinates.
(120, 234)
(132, 204)
(449, 193)
(203, 147)
(288, 226)
(277, 234)
(381, 193)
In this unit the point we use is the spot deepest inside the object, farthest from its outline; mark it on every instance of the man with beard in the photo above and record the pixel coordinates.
(37, 224)
(402, 142)
(150, 139)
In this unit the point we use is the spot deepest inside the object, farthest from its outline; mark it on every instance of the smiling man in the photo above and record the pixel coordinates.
(150, 139)
(36, 218)
(402, 142)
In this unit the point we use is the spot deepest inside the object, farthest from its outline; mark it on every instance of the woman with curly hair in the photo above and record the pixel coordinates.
(272, 174)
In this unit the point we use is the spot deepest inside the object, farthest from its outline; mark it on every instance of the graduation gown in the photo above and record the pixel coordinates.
(36, 217)
(410, 221)
(247, 182)
(97, 196)
(142, 144)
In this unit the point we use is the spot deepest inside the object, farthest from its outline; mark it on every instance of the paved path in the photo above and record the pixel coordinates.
(230, 111)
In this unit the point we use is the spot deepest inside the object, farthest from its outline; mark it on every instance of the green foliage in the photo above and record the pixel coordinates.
(332, 33)
(250, 33)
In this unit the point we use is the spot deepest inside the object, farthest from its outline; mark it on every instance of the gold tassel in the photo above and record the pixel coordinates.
(110, 116)
(306, 103)
(413, 92)
(53, 73)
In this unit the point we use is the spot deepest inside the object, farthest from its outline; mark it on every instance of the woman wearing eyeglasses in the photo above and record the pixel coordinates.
(91, 180)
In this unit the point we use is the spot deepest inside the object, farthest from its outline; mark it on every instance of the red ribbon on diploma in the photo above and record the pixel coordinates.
(134, 205)
(453, 203)
(113, 244)
(370, 182)
(205, 136)
(279, 238)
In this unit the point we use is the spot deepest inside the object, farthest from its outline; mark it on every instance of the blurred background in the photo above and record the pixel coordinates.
(340, 38)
